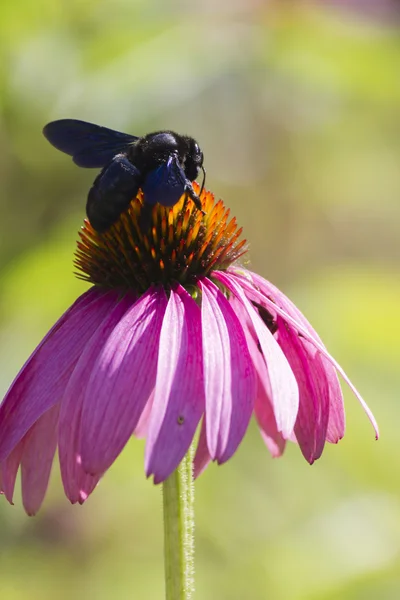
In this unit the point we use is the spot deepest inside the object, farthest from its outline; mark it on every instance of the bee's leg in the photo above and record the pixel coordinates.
(193, 196)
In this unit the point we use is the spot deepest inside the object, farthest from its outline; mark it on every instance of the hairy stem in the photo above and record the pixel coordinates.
(178, 504)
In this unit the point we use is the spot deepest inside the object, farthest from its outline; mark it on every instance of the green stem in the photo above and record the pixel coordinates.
(178, 504)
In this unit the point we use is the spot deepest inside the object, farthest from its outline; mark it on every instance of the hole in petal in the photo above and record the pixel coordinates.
(266, 317)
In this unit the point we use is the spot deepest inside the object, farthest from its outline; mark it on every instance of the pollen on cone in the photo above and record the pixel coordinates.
(180, 245)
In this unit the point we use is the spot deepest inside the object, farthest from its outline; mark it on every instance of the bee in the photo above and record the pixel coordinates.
(163, 164)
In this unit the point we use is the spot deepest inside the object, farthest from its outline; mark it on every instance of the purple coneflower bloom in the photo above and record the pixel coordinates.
(172, 332)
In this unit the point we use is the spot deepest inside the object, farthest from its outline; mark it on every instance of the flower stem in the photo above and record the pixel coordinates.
(178, 504)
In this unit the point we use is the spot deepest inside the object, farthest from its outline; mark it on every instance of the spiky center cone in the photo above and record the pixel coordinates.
(180, 245)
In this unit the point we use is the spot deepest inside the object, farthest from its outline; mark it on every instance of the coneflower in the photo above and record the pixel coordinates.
(173, 332)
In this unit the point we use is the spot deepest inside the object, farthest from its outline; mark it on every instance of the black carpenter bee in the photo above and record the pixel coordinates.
(163, 164)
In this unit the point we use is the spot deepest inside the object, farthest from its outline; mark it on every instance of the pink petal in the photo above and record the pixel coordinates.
(202, 457)
(337, 420)
(78, 484)
(9, 470)
(284, 390)
(230, 381)
(179, 393)
(121, 382)
(312, 419)
(273, 439)
(142, 427)
(302, 326)
(42, 380)
(37, 458)
(263, 410)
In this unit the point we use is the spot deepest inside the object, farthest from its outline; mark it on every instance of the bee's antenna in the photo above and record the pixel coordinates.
(204, 180)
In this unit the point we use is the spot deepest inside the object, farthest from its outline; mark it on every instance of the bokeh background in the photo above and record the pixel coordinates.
(296, 106)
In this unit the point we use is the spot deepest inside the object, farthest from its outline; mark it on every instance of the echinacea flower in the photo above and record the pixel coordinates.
(173, 332)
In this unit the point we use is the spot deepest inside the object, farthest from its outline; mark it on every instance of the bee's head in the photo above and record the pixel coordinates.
(193, 159)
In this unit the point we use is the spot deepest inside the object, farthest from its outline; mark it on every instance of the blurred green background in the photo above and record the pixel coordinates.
(296, 106)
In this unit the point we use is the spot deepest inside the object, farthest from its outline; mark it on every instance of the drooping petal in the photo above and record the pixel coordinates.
(41, 382)
(179, 393)
(202, 457)
(263, 410)
(284, 390)
(312, 419)
(121, 382)
(35, 453)
(142, 426)
(9, 470)
(337, 419)
(259, 284)
(336, 422)
(230, 380)
(302, 326)
(37, 458)
(78, 484)
(264, 413)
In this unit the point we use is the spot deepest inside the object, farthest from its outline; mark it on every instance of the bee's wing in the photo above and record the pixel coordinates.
(89, 145)
(166, 184)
